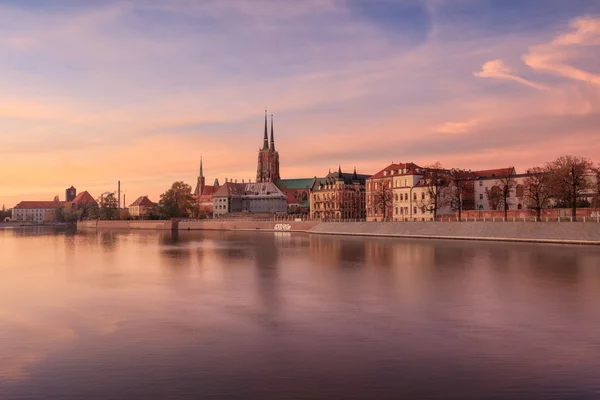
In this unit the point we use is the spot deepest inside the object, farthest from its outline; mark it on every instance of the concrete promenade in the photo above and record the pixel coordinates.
(539, 232)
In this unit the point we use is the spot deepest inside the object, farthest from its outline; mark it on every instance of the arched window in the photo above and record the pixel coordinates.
(396, 197)
(520, 190)
(519, 206)
(304, 196)
(422, 195)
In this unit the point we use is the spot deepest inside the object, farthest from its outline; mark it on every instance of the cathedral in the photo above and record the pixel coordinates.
(268, 158)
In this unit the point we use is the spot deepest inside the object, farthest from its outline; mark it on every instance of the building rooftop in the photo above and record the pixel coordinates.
(142, 201)
(83, 198)
(39, 205)
(298, 183)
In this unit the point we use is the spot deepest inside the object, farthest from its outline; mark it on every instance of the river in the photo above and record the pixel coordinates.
(225, 315)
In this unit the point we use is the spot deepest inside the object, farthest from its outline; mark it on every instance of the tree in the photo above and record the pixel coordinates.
(56, 199)
(569, 180)
(499, 198)
(596, 198)
(460, 191)
(59, 214)
(109, 207)
(537, 190)
(90, 211)
(435, 180)
(383, 198)
(177, 202)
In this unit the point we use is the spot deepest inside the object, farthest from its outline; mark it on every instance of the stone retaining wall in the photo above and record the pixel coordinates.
(289, 226)
(548, 232)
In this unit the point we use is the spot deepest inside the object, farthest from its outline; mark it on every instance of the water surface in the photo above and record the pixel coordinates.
(151, 315)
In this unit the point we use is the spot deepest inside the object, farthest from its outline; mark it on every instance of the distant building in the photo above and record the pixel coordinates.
(268, 158)
(262, 197)
(70, 194)
(35, 211)
(297, 192)
(139, 207)
(204, 194)
(339, 196)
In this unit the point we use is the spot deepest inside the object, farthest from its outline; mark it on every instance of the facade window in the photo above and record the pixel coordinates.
(481, 196)
(406, 182)
(422, 195)
(414, 210)
(520, 190)
(480, 183)
(414, 196)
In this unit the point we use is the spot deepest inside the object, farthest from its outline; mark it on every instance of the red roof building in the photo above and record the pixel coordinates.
(139, 207)
(35, 211)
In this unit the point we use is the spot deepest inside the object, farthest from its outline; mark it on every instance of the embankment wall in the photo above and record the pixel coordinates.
(547, 232)
(154, 225)
(289, 226)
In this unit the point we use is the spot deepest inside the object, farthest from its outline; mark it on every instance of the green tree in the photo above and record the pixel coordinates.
(177, 202)
(59, 214)
(109, 207)
(89, 211)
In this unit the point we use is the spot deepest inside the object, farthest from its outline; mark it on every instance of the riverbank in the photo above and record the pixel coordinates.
(540, 232)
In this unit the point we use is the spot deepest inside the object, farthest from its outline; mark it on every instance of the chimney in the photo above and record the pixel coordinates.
(242, 181)
(225, 180)
(236, 181)
(119, 190)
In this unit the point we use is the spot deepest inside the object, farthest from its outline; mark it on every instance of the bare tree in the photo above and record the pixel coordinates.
(596, 198)
(499, 198)
(383, 198)
(537, 190)
(460, 191)
(435, 179)
(569, 180)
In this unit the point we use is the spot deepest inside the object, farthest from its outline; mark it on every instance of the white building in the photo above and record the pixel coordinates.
(261, 197)
(35, 211)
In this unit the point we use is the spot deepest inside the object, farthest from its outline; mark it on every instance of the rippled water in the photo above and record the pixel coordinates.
(148, 315)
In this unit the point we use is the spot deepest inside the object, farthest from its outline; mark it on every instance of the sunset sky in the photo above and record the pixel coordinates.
(92, 92)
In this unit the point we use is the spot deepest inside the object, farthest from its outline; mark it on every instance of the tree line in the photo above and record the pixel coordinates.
(176, 202)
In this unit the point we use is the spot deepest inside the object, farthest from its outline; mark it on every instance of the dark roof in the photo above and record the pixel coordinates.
(486, 173)
(395, 169)
(142, 201)
(39, 204)
(299, 183)
(348, 178)
(230, 189)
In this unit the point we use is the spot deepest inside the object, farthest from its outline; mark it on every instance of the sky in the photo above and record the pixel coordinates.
(92, 92)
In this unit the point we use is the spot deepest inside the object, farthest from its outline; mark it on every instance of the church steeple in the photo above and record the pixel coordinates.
(266, 138)
(201, 174)
(355, 176)
(272, 135)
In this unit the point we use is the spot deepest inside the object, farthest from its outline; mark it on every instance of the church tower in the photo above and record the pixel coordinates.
(201, 182)
(268, 158)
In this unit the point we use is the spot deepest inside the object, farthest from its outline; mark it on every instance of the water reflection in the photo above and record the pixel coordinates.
(257, 315)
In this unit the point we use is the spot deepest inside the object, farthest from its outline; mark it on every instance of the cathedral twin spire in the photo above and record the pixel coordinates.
(266, 137)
